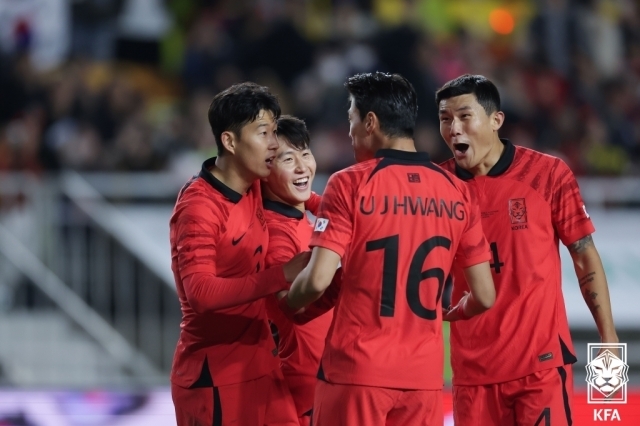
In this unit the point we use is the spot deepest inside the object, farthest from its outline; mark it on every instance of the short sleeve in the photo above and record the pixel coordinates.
(569, 214)
(334, 222)
(196, 232)
(473, 247)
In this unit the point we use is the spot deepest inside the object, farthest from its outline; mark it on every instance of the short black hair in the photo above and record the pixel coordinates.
(237, 106)
(294, 130)
(481, 87)
(391, 97)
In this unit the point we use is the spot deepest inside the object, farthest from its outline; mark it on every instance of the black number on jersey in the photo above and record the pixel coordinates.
(546, 416)
(495, 263)
(416, 274)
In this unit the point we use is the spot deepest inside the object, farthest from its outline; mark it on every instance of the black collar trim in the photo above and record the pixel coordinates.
(283, 209)
(205, 174)
(503, 164)
(418, 157)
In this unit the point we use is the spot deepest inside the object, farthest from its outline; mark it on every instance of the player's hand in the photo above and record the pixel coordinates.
(281, 294)
(297, 263)
(454, 314)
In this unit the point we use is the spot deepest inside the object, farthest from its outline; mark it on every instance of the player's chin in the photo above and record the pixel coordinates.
(299, 196)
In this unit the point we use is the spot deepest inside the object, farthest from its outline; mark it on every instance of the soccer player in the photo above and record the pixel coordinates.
(512, 366)
(395, 221)
(225, 369)
(285, 191)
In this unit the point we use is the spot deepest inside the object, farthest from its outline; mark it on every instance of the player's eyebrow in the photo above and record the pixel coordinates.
(462, 108)
(287, 152)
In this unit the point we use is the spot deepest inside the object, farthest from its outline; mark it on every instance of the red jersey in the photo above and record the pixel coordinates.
(528, 202)
(219, 240)
(300, 346)
(397, 221)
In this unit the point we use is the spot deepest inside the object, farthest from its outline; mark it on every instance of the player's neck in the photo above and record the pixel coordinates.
(270, 195)
(399, 144)
(490, 160)
(230, 175)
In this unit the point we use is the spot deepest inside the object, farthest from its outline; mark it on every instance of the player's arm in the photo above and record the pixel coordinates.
(324, 304)
(482, 295)
(593, 285)
(314, 279)
(196, 242)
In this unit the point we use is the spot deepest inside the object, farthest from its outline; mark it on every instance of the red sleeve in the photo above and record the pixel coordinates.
(207, 292)
(334, 224)
(282, 245)
(313, 203)
(473, 247)
(197, 233)
(569, 213)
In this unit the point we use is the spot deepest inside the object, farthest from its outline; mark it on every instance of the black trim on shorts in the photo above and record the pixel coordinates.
(567, 356)
(217, 407)
(565, 394)
(321, 373)
(205, 380)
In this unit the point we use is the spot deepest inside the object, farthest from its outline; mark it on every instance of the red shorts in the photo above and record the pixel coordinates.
(302, 389)
(346, 405)
(540, 399)
(263, 401)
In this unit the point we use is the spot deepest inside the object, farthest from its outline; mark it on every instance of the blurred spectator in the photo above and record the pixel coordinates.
(134, 92)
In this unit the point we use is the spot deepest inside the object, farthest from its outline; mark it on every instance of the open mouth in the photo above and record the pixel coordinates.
(269, 160)
(301, 183)
(460, 148)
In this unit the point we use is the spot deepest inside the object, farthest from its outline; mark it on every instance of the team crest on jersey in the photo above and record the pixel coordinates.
(321, 224)
(518, 211)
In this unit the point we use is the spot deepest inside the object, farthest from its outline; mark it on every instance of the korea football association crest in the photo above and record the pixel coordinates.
(607, 373)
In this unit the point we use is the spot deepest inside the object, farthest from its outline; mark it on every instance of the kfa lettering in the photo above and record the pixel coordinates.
(606, 414)
(414, 206)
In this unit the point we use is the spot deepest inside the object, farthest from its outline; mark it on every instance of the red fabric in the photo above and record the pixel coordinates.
(217, 248)
(346, 405)
(525, 212)
(542, 398)
(300, 346)
(262, 401)
(417, 207)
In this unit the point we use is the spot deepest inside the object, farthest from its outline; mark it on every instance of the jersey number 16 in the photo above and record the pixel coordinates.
(390, 246)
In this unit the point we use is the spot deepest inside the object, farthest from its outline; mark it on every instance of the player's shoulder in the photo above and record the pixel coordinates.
(449, 165)
(536, 161)
(350, 177)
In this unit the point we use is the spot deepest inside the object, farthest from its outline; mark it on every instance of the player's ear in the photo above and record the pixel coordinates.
(497, 120)
(371, 122)
(229, 141)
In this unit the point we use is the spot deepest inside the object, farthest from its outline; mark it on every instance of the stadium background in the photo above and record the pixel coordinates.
(103, 117)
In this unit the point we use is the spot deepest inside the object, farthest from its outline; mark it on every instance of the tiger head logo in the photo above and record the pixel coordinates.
(518, 210)
(607, 373)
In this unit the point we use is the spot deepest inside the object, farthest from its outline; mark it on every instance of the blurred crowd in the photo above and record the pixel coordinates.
(125, 84)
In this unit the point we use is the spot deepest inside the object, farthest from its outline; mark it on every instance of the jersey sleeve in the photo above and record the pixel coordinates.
(473, 247)
(282, 245)
(568, 210)
(197, 233)
(334, 222)
(313, 203)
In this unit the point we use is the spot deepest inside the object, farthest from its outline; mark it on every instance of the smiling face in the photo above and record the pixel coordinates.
(469, 132)
(292, 173)
(255, 147)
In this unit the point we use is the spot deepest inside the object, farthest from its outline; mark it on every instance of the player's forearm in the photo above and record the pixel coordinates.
(305, 290)
(323, 304)
(593, 286)
(207, 292)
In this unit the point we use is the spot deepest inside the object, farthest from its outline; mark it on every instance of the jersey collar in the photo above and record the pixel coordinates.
(419, 157)
(282, 208)
(499, 168)
(205, 174)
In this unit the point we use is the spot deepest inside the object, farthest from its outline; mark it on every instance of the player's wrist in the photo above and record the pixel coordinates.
(462, 309)
(283, 304)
